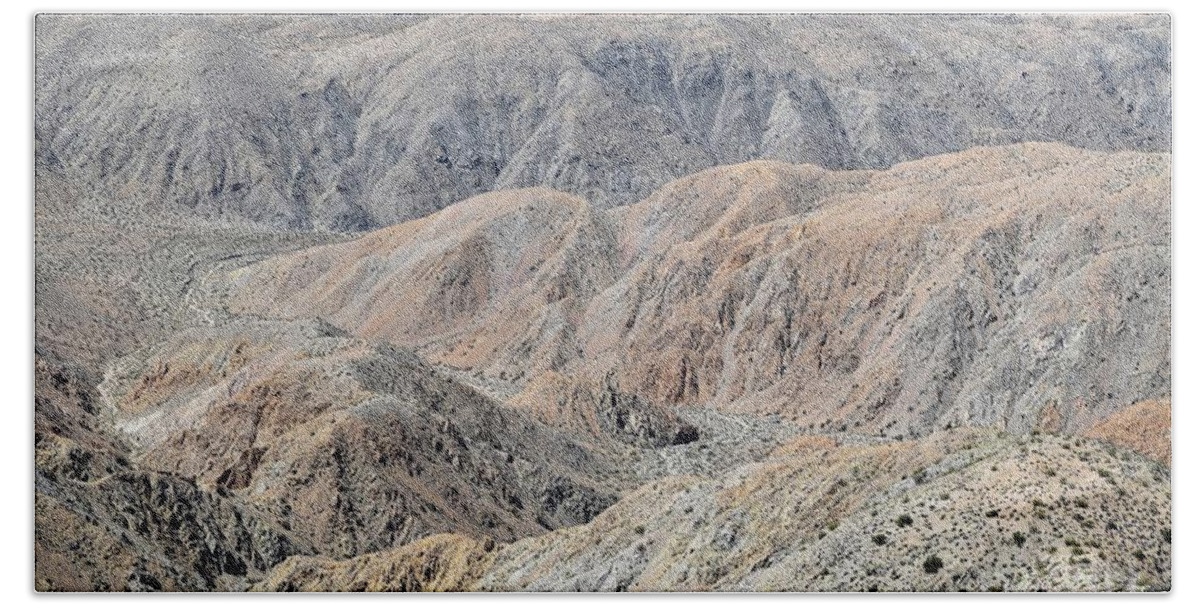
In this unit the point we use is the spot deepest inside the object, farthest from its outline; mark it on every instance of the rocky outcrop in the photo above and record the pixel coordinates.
(603, 410)
(138, 531)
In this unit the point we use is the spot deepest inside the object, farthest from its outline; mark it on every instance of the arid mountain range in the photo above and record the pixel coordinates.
(603, 303)
(357, 122)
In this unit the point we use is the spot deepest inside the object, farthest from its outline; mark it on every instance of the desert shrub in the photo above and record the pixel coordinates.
(904, 520)
(1019, 538)
(879, 539)
(933, 563)
(993, 513)
(639, 529)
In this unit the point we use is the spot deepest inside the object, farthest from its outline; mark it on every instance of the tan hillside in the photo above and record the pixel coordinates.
(1143, 427)
(444, 562)
(895, 302)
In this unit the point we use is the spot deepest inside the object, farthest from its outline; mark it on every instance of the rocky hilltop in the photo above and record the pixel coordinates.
(355, 122)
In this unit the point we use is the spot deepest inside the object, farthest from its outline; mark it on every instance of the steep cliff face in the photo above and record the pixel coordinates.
(354, 122)
(978, 288)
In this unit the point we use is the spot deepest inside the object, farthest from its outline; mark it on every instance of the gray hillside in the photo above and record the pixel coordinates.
(365, 121)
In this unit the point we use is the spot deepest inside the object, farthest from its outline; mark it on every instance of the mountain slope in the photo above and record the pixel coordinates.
(359, 121)
(101, 523)
(351, 446)
(1044, 513)
(986, 287)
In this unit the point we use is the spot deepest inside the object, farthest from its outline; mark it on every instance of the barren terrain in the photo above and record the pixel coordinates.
(603, 303)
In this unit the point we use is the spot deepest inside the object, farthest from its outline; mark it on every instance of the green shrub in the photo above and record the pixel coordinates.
(933, 563)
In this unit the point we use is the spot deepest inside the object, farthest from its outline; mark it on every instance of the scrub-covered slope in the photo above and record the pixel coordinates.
(956, 511)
